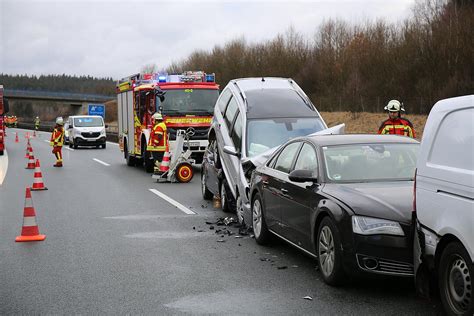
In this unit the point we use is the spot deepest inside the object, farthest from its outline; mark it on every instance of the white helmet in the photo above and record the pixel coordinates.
(59, 120)
(157, 116)
(394, 106)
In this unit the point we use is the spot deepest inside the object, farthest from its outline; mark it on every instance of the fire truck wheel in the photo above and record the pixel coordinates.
(129, 159)
(1, 152)
(184, 172)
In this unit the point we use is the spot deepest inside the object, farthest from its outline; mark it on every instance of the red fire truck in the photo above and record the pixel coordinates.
(185, 100)
(3, 111)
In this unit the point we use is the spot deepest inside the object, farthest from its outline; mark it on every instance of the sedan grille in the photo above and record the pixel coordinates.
(90, 134)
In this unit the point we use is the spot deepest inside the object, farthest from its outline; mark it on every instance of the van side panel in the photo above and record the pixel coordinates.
(445, 171)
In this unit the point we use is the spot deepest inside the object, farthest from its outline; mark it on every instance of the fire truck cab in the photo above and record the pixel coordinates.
(185, 100)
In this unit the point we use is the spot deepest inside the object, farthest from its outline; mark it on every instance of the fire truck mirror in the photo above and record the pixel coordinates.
(160, 94)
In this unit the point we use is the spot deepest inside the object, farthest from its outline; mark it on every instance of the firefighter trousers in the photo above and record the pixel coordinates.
(57, 151)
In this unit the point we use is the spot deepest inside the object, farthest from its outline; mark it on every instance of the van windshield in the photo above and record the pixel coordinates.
(268, 133)
(88, 122)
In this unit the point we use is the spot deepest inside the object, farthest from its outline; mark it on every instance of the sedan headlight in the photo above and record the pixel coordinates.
(375, 226)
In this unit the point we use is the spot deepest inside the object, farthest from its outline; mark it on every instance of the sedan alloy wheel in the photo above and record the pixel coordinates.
(328, 247)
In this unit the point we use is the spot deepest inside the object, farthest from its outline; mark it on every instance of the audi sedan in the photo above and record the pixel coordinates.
(343, 199)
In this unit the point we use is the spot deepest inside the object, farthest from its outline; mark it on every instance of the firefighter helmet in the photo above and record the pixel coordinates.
(157, 116)
(394, 106)
(59, 120)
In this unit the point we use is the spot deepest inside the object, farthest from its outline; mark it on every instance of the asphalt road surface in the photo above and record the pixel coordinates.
(114, 245)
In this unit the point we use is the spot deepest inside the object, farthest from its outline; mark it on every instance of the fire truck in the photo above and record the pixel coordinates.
(3, 111)
(185, 100)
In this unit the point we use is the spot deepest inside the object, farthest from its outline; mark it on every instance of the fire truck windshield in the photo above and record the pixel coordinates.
(189, 101)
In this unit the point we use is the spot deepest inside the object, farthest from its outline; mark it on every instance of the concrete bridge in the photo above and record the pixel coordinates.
(26, 104)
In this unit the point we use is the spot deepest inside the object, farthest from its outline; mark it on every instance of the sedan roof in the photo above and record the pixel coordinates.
(345, 139)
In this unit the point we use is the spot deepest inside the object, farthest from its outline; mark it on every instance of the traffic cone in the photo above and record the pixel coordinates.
(29, 230)
(27, 135)
(28, 149)
(16, 138)
(165, 163)
(34, 133)
(31, 162)
(38, 179)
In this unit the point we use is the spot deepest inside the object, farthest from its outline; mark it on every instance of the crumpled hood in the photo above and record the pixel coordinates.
(388, 200)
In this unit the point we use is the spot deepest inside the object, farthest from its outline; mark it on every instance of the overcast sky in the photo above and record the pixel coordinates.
(111, 38)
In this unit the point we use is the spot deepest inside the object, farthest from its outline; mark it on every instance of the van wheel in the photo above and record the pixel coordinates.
(103, 146)
(455, 279)
(75, 144)
(206, 194)
(226, 196)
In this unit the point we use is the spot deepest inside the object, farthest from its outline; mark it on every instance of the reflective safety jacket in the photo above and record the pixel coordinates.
(37, 122)
(57, 137)
(158, 138)
(398, 126)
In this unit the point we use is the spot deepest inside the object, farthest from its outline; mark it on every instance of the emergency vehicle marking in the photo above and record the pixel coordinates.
(3, 166)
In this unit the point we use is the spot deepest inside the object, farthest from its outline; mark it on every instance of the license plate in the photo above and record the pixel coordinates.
(90, 140)
(193, 144)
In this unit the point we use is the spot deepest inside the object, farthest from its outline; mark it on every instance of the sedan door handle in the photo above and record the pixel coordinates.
(284, 190)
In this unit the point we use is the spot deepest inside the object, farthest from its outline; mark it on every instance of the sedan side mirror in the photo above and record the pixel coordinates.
(302, 176)
(231, 151)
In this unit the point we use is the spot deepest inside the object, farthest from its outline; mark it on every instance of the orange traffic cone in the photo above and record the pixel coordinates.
(29, 230)
(31, 162)
(38, 183)
(165, 163)
(27, 135)
(28, 149)
(34, 133)
(16, 138)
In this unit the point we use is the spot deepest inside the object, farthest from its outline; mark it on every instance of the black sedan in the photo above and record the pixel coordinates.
(343, 199)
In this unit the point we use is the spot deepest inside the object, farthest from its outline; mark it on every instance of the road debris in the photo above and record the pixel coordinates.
(309, 298)
(282, 267)
(220, 240)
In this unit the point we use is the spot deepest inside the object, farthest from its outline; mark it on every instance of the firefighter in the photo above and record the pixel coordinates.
(158, 142)
(37, 123)
(395, 124)
(57, 140)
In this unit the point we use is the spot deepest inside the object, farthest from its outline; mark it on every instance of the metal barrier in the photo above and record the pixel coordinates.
(111, 131)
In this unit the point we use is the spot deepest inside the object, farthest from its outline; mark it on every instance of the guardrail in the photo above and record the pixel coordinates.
(112, 129)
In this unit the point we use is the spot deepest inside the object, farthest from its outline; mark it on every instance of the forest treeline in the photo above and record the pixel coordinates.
(59, 83)
(427, 57)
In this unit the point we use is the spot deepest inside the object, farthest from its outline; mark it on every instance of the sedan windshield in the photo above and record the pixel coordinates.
(189, 101)
(263, 134)
(88, 122)
(370, 162)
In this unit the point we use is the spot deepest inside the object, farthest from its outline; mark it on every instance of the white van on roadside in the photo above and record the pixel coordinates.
(444, 204)
(86, 130)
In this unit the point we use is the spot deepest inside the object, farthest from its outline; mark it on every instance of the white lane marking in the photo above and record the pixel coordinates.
(100, 161)
(46, 141)
(111, 143)
(174, 202)
(3, 166)
(69, 148)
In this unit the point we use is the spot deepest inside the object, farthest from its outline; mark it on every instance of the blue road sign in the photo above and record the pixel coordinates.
(97, 109)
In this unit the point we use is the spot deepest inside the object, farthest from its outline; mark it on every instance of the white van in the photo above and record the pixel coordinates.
(86, 130)
(444, 204)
